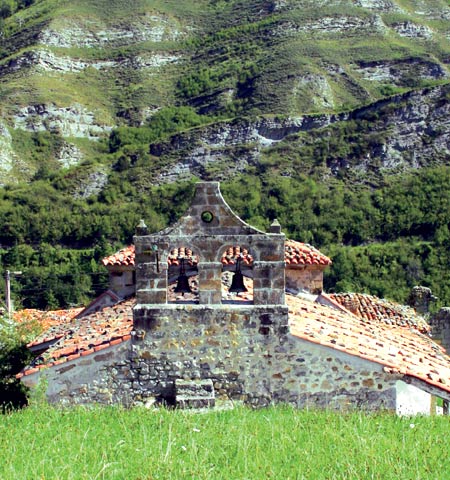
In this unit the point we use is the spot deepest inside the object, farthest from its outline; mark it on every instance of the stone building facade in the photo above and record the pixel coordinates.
(440, 327)
(275, 348)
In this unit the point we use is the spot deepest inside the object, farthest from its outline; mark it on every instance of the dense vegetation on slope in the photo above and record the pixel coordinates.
(110, 111)
(383, 241)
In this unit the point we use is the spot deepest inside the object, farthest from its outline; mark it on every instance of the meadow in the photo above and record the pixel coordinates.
(42, 442)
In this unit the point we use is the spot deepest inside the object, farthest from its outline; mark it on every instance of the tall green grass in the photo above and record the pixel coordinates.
(282, 443)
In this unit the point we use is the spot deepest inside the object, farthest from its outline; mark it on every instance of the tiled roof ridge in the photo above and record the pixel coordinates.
(296, 253)
(367, 306)
(100, 346)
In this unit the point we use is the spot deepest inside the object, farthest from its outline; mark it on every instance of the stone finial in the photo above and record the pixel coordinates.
(420, 299)
(275, 227)
(142, 228)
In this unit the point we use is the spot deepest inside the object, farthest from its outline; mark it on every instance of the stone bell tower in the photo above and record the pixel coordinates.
(209, 341)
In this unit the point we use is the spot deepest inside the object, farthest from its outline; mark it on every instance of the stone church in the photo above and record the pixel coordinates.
(213, 311)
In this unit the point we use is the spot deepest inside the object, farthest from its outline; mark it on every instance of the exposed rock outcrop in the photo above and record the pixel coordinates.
(149, 28)
(418, 123)
(401, 71)
(412, 30)
(73, 121)
(331, 25)
(45, 61)
(69, 155)
(92, 184)
(379, 5)
(322, 97)
(7, 155)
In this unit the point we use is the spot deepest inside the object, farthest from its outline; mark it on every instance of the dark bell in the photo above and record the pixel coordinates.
(182, 282)
(183, 285)
(237, 284)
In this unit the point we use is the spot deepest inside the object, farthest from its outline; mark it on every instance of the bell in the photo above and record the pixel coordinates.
(237, 284)
(183, 285)
(183, 281)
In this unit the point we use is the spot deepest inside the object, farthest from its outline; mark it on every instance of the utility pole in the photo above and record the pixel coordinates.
(8, 291)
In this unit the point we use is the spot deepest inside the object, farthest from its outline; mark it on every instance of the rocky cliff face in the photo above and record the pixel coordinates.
(78, 72)
(416, 127)
(7, 155)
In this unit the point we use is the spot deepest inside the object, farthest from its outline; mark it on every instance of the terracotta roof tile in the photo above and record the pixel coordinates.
(86, 335)
(371, 308)
(231, 255)
(46, 319)
(400, 349)
(123, 257)
(295, 253)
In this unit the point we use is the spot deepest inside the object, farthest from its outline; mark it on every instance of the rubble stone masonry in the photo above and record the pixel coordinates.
(247, 353)
(214, 349)
(440, 327)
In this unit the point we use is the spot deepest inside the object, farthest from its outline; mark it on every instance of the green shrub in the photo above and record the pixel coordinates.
(14, 355)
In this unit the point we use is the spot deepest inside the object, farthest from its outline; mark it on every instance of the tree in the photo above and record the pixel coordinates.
(14, 355)
(5, 9)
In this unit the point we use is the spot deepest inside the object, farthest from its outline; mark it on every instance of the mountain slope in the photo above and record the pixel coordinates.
(322, 113)
(77, 70)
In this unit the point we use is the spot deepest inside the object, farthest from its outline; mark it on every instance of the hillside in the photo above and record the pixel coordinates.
(106, 107)
(79, 70)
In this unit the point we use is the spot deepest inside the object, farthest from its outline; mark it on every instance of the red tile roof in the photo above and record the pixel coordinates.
(177, 254)
(401, 350)
(233, 253)
(371, 308)
(85, 335)
(295, 254)
(46, 319)
(122, 258)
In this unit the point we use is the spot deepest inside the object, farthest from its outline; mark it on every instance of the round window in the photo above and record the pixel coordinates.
(207, 217)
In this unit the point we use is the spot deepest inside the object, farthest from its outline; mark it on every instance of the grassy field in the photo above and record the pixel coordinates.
(111, 443)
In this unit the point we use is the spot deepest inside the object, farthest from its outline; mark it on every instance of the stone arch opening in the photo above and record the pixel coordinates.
(182, 271)
(237, 269)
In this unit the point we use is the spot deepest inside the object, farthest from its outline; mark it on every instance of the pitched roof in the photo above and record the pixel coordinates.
(370, 308)
(46, 319)
(123, 257)
(295, 254)
(85, 335)
(400, 349)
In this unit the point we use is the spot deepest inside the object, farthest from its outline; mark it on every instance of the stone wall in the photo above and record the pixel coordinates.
(216, 350)
(440, 327)
(246, 352)
(309, 278)
(95, 378)
(250, 356)
(209, 228)
(122, 280)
